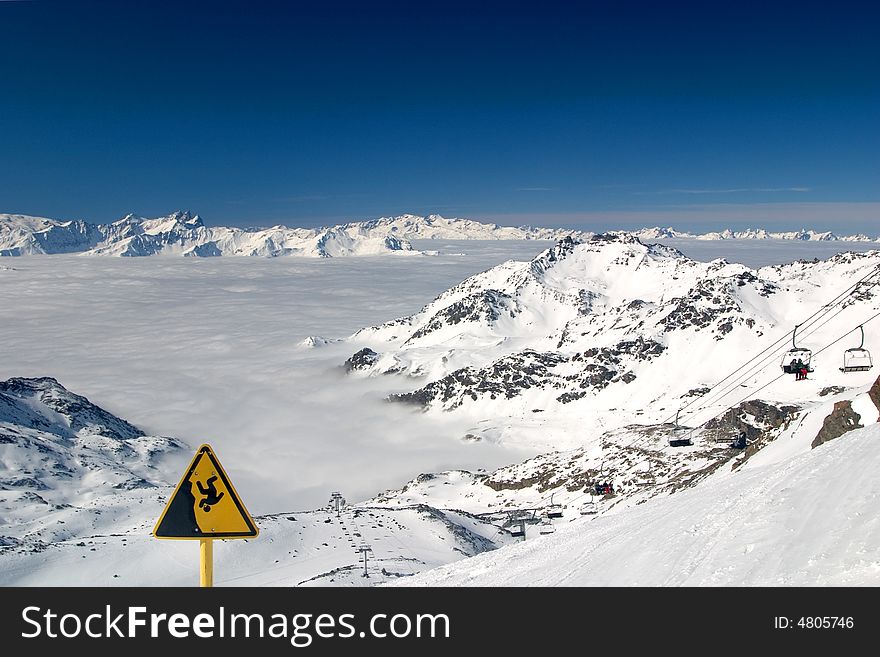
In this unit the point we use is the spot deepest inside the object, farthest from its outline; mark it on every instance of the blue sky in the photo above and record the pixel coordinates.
(598, 116)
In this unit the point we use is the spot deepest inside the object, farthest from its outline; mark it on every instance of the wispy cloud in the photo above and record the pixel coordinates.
(731, 190)
(536, 189)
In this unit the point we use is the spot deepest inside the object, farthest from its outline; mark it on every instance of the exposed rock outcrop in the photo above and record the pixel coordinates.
(362, 360)
(874, 394)
(840, 421)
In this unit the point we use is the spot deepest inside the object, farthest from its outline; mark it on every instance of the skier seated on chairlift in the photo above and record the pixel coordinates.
(804, 371)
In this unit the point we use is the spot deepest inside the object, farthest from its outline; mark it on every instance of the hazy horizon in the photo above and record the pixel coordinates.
(863, 219)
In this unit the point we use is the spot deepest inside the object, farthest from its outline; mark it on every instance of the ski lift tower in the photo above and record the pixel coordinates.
(337, 501)
(365, 549)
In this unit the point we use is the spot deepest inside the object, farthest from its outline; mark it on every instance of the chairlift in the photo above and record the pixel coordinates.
(589, 508)
(741, 441)
(647, 478)
(796, 354)
(857, 359)
(546, 526)
(599, 486)
(679, 438)
(518, 531)
(554, 510)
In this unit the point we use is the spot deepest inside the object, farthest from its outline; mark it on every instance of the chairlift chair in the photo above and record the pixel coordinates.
(546, 526)
(554, 510)
(796, 354)
(857, 359)
(679, 438)
(647, 478)
(588, 508)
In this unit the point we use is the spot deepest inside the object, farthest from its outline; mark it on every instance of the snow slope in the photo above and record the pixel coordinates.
(68, 466)
(813, 519)
(299, 548)
(80, 491)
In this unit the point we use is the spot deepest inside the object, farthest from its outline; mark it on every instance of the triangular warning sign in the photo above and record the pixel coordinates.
(205, 504)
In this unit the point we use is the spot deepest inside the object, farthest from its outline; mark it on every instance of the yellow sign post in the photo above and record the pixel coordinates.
(205, 506)
(206, 562)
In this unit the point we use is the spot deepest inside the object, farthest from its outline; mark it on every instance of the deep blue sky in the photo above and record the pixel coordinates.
(614, 114)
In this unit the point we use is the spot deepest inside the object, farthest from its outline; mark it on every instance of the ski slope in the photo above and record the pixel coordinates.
(227, 350)
(811, 520)
(298, 548)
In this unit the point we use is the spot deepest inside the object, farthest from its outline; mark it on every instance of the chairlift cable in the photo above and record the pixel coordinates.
(757, 367)
(820, 311)
(771, 382)
(774, 349)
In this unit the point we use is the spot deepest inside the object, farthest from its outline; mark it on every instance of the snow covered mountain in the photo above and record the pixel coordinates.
(583, 357)
(602, 354)
(414, 227)
(610, 323)
(80, 491)
(435, 227)
(23, 235)
(802, 235)
(66, 464)
(184, 234)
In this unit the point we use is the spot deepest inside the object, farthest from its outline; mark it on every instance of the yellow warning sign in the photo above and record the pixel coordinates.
(205, 504)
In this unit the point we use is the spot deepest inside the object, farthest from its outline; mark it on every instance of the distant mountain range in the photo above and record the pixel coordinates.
(803, 235)
(185, 234)
(413, 227)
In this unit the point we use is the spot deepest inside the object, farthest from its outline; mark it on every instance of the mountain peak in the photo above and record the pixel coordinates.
(60, 411)
(186, 218)
(130, 218)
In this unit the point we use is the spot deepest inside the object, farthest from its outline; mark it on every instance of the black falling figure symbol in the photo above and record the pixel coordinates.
(210, 493)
